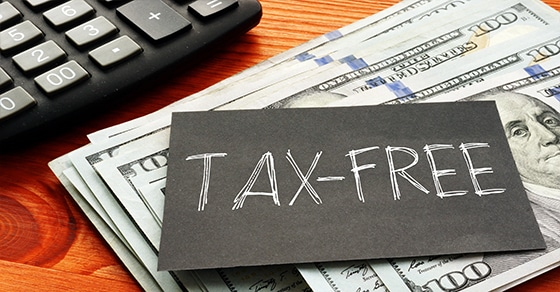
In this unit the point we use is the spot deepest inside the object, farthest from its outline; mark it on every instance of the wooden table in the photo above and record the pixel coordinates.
(47, 243)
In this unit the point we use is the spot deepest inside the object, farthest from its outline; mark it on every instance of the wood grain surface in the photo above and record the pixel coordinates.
(47, 243)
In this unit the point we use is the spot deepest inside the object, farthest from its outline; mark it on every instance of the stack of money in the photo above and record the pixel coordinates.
(415, 51)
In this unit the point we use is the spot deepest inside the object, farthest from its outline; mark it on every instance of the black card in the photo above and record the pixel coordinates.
(261, 187)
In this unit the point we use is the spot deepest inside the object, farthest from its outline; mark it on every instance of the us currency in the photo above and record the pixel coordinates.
(501, 270)
(82, 161)
(130, 149)
(71, 182)
(267, 278)
(85, 159)
(129, 256)
(274, 68)
(502, 60)
(127, 174)
(408, 58)
(152, 160)
(342, 276)
(474, 69)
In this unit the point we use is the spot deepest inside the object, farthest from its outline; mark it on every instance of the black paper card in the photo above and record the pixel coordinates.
(260, 187)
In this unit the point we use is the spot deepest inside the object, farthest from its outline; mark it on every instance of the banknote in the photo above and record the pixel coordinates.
(342, 276)
(270, 278)
(147, 164)
(124, 175)
(539, 119)
(404, 60)
(271, 70)
(131, 259)
(138, 240)
(503, 59)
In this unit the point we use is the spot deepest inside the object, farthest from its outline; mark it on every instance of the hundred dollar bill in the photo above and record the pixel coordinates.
(528, 103)
(507, 57)
(116, 242)
(413, 56)
(342, 276)
(127, 174)
(151, 187)
(131, 259)
(269, 71)
(85, 159)
(82, 160)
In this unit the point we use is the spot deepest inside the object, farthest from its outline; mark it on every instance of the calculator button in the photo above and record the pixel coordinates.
(154, 18)
(39, 56)
(19, 36)
(91, 31)
(68, 13)
(14, 101)
(113, 1)
(38, 4)
(8, 14)
(5, 79)
(115, 51)
(208, 8)
(62, 77)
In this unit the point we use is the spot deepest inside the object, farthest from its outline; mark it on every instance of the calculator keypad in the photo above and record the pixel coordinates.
(57, 56)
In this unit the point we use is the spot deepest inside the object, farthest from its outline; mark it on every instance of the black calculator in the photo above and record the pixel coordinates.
(60, 56)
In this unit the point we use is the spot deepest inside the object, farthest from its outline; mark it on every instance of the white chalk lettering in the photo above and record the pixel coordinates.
(207, 157)
(305, 179)
(398, 168)
(473, 172)
(437, 173)
(356, 169)
(402, 171)
(245, 191)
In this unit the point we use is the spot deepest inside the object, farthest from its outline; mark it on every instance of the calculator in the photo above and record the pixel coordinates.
(58, 57)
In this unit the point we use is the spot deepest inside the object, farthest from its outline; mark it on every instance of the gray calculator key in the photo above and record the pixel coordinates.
(68, 13)
(19, 36)
(35, 4)
(8, 14)
(115, 51)
(14, 101)
(39, 56)
(208, 8)
(91, 31)
(5, 79)
(154, 18)
(61, 77)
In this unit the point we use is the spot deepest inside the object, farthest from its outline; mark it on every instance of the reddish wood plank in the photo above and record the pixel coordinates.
(47, 243)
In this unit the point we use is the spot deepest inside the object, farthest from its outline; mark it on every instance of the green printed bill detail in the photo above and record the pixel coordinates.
(476, 68)
(388, 59)
(339, 277)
